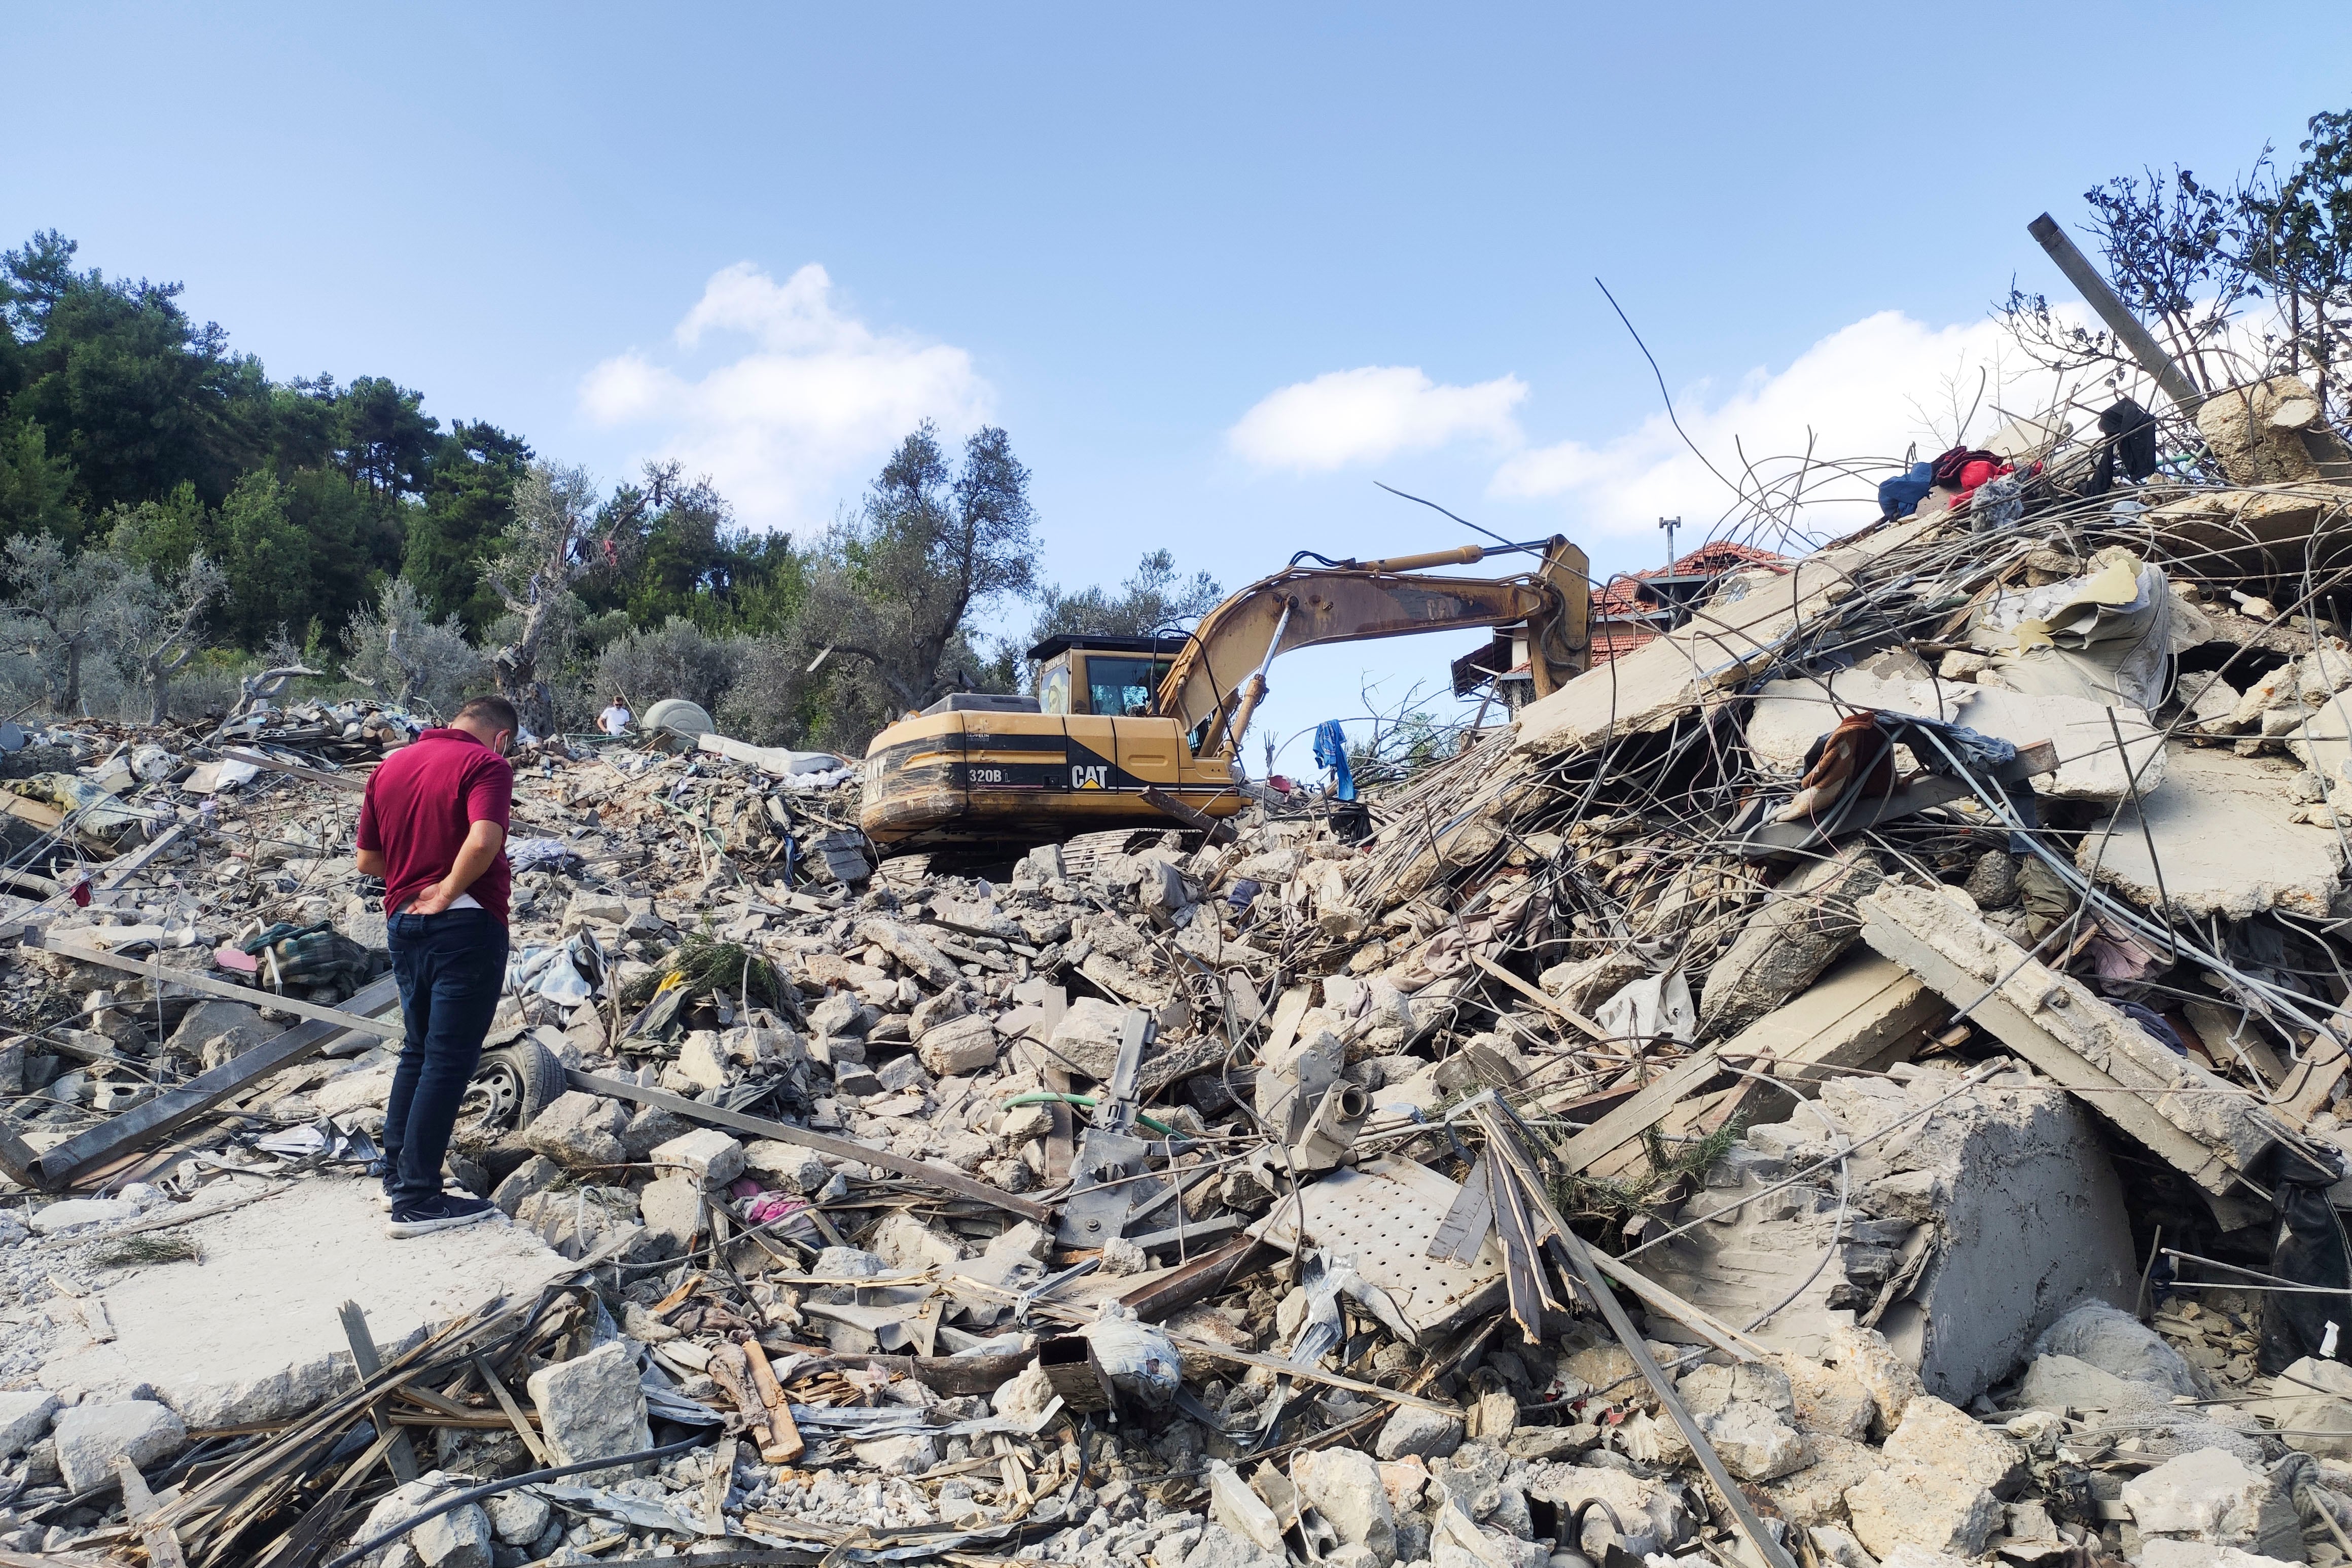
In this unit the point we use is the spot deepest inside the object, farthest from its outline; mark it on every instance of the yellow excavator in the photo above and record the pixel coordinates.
(1146, 732)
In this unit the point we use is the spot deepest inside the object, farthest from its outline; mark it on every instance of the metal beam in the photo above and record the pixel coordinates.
(253, 995)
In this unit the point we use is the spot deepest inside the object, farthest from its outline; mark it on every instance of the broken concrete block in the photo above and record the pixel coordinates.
(1910, 1555)
(706, 1156)
(961, 1047)
(1585, 984)
(2229, 840)
(790, 1164)
(926, 962)
(2314, 1408)
(1864, 1012)
(1709, 1390)
(2164, 1552)
(1935, 1433)
(2272, 432)
(1864, 1355)
(535, 1174)
(1910, 1501)
(24, 1418)
(1827, 1403)
(518, 1518)
(1427, 1433)
(2058, 1024)
(578, 1130)
(67, 1213)
(1086, 1040)
(2216, 1498)
(671, 1206)
(215, 1031)
(88, 1436)
(590, 1407)
(909, 1456)
(932, 1011)
(1815, 1495)
(1791, 714)
(1754, 1441)
(1344, 1486)
(1804, 923)
(701, 1062)
(458, 1538)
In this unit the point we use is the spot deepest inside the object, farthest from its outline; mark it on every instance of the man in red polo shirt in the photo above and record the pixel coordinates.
(434, 826)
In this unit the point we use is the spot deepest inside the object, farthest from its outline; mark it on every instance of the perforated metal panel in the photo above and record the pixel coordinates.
(1384, 1215)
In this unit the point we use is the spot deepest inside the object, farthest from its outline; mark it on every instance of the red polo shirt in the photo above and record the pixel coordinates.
(419, 805)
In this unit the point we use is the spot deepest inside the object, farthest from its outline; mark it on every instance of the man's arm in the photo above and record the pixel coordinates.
(483, 842)
(371, 862)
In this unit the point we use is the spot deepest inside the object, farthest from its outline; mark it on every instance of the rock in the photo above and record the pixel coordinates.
(1494, 1417)
(458, 1538)
(234, 1026)
(591, 1408)
(1815, 1495)
(1412, 1430)
(518, 1518)
(1553, 1442)
(1086, 1038)
(24, 1416)
(2119, 1344)
(789, 1163)
(959, 1047)
(671, 1207)
(2217, 1498)
(535, 1174)
(88, 1436)
(1344, 1485)
(1588, 983)
(649, 1127)
(1802, 924)
(1754, 1441)
(706, 1156)
(1910, 1501)
(2314, 1405)
(1935, 1433)
(1839, 1549)
(577, 1130)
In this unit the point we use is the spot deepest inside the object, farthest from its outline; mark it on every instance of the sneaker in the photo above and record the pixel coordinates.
(445, 1211)
(448, 1186)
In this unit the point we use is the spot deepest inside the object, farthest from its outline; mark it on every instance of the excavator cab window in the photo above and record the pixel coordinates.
(1054, 688)
(1123, 687)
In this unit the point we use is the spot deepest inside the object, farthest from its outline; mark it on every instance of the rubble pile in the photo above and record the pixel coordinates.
(1859, 1079)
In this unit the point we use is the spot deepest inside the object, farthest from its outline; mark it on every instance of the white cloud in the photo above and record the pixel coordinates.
(1863, 394)
(1378, 411)
(810, 404)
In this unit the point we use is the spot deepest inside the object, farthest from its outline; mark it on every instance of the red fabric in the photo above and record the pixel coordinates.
(1974, 473)
(419, 805)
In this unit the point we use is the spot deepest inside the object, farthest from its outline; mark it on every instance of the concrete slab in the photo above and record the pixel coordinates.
(2227, 840)
(249, 1331)
(1864, 1012)
(1740, 627)
(1790, 715)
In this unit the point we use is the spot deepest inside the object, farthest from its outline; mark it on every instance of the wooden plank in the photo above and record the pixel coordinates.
(1551, 1004)
(2309, 1086)
(938, 1177)
(174, 1107)
(138, 1504)
(352, 782)
(39, 814)
(152, 969)
(1643, 1110)
(2051, 1055)
(515, 1417)
(1219, 831)
(400, 1456)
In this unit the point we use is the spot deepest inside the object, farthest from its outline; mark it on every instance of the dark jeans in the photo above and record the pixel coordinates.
(451, 967)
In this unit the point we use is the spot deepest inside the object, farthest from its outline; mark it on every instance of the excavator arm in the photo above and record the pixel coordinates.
(1217, 681)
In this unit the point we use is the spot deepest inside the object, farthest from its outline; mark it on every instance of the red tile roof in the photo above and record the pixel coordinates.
(1620, 616)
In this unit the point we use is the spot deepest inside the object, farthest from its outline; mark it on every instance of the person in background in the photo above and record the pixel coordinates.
(616, 720)
(433, 825)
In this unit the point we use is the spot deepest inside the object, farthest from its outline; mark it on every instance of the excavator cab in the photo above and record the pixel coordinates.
(1119, 676)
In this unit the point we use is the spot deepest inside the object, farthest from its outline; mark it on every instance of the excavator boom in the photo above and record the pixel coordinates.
(1218, 678)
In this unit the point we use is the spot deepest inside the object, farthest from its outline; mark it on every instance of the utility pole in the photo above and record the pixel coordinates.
(1670, 524)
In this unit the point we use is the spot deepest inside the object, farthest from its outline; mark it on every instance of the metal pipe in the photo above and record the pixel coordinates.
(2118, 317)
(1460, 555)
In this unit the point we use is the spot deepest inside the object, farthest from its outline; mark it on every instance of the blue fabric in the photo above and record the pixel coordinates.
(1332, 752)
(450, 968)
(1901, 497)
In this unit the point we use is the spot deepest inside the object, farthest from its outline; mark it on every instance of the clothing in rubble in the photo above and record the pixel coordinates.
(2130, 432)
(1901, 496)
(1332, 752)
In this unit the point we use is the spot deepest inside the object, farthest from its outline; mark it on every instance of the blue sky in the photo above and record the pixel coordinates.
(1123, 234)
